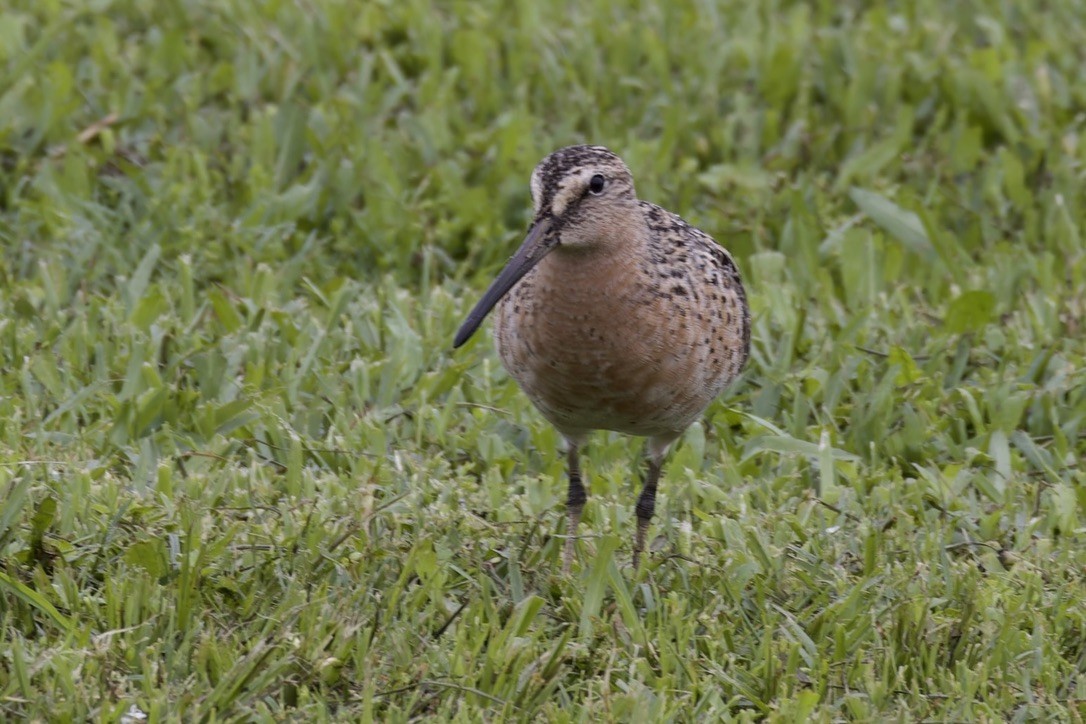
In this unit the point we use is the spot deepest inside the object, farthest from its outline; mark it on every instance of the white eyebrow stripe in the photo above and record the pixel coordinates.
(536, 188)
(569, 190)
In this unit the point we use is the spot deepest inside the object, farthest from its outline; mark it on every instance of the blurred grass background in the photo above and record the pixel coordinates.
(244, 478)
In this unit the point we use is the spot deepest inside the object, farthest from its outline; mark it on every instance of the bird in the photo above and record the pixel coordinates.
(614, 314)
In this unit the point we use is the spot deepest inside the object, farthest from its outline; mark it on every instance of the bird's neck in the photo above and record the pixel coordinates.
(605, 262)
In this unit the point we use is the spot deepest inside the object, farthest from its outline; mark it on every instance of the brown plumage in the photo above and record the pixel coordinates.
(614, 314)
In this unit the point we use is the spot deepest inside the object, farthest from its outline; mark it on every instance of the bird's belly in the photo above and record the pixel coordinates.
(588, 368)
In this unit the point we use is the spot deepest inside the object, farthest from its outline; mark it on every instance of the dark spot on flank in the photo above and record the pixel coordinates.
(679, 289)
(722, 258)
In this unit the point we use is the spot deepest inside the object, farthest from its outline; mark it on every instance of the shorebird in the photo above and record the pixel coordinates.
(614, 314)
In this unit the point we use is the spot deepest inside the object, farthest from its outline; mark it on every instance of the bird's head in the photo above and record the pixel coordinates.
(582, 197)
(580, 194)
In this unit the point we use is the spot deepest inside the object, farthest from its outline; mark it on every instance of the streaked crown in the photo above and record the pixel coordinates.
(571, 174)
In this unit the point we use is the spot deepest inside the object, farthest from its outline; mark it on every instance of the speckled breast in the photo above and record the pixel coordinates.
(607, 345)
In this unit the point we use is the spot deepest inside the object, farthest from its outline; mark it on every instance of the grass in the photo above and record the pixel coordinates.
(245, 478)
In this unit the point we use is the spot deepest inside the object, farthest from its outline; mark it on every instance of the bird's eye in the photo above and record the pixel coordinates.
(595, 186)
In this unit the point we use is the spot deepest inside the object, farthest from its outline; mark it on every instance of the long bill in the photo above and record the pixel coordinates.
(537, 245)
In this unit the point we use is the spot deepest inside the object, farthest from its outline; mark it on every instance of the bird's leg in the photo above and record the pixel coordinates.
(646, 506)
(574, 505)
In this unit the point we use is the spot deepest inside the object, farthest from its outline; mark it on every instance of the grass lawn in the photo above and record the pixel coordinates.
(243, 476)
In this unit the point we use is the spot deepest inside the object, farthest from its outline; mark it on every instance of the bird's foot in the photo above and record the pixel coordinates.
(571, 537)
(639, 541)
